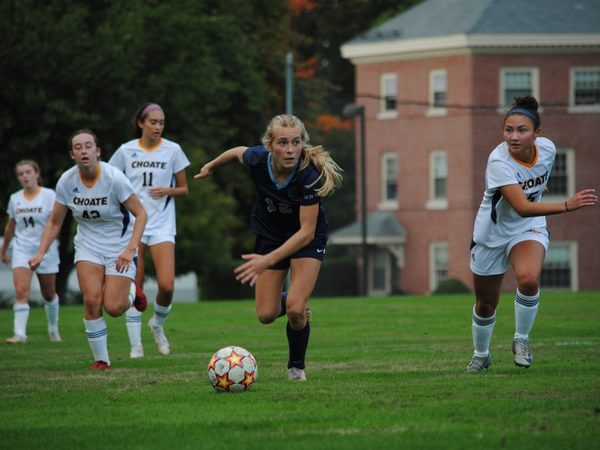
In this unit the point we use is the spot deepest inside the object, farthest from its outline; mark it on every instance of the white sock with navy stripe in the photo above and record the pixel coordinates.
(161, 313)
(21, 317)
(482, 328)
(526, 307)
(97, 335)
(133, 321)
(51, 309)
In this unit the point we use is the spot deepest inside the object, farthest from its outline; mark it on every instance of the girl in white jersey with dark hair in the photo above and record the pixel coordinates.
(510, 229)
(100, 198)
(28, 211)
(291, 176)
(156, 167)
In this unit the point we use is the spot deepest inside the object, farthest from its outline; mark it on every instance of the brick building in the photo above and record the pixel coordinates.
(435, 83)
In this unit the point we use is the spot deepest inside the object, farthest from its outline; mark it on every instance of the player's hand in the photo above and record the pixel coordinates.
(123, 260)
(586, 197)
(35, 262)
(158, 192)
(249, 271)
(205, 171)
(4, 258)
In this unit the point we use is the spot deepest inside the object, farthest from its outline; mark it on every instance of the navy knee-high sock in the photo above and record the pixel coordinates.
(298, 343)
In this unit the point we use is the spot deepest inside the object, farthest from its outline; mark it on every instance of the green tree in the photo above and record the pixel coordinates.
(70, 64)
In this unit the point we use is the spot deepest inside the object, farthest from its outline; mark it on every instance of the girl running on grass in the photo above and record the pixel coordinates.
(289, 221)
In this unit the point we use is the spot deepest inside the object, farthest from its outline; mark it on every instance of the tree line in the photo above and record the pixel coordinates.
(216, 67)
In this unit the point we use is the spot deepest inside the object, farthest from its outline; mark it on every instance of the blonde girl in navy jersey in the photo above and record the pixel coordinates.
(156, 167)
(28, 211)
(510, 228)
(288, 219)
(100, 198)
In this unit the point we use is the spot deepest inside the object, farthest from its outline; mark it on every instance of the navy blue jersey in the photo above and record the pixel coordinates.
(276, 213)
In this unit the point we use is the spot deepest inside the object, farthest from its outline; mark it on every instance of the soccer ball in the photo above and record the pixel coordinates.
(232, 369)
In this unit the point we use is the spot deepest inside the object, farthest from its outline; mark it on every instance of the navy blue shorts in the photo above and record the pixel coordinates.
(316, 250)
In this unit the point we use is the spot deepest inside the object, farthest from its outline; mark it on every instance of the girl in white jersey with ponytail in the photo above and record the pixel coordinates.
(510, 229)
(101, 199)
(28, 211)
(156, 167)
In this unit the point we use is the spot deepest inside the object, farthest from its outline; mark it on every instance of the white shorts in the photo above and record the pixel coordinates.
(486, 261)
(109, 262)
(49, 264)
(153, 239)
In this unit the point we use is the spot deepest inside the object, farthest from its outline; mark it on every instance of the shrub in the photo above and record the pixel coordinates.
(451, 286)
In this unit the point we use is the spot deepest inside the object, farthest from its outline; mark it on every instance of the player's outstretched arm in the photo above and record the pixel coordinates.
(224, 158)
(525, 208)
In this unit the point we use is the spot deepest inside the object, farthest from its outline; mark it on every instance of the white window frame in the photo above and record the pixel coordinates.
(570, 161)
(535, 85)
(387, 204)
(387, 271)
(573, 258)
(578, 109)
(434, 280)
(384, 93)
(432, 110)
(434, 202)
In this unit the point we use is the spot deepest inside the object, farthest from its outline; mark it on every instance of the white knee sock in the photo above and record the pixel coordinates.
(21, 316)
(52, 308)
(482, 328)
(131, 295)
(526, 307)
(161, 313)
(133, 321)
(97, 335)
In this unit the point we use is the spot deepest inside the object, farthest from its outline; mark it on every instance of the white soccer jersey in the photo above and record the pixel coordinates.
(104, 224)
(153, 168)
(497, 222)
(30, 216)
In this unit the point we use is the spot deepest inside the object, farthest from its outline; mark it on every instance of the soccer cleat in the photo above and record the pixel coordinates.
(141, 302)
(296, 374)
(54, 336)
(99, 365)
(16, 339)
(522, 353)
(162, 343)
(137, 351)
(479, 363)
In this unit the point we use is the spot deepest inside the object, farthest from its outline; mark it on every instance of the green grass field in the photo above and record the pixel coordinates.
(383, 373)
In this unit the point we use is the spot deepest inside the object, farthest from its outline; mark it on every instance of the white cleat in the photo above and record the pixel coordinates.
(137, 351)
(162, 343)
(522, 353)
(54, 336)
(295, 374)
(16, 339)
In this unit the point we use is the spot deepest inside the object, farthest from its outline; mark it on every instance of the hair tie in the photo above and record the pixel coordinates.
(148, 109)
(526, 112)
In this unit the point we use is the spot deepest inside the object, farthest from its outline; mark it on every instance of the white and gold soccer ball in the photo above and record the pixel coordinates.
(232, 369)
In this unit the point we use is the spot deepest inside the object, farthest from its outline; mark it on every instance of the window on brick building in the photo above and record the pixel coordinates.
(438, 175)
(558, 270)
(389, 181)
(438, 266)
(561, 184)
(388, 90)
(516, 82)
(438, 86)
(585, 88)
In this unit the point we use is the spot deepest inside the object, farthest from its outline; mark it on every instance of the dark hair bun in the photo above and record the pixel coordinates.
(527, 102)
